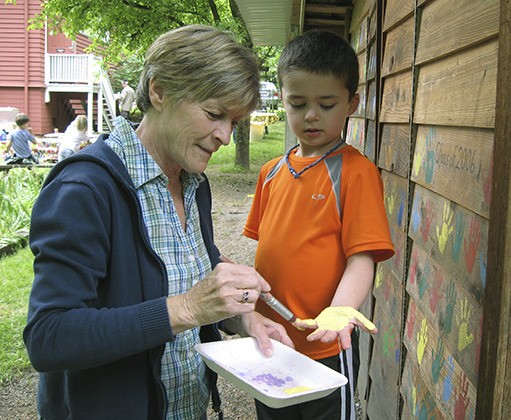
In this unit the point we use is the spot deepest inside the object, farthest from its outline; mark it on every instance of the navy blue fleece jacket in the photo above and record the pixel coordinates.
(97, 319)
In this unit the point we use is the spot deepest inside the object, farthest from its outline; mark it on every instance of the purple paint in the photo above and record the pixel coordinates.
(271, 380)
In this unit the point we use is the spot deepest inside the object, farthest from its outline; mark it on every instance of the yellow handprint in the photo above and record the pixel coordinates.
(414, 400)
(447, 228)
(417, 161)
(391, 197)
(379, 276)
(464, 339)
(422, 339)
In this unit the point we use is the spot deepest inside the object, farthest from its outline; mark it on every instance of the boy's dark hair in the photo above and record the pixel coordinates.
(21, 119)
(321, 52)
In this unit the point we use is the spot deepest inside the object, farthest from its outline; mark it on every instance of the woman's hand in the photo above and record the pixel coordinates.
(229, 290)
(262, 329)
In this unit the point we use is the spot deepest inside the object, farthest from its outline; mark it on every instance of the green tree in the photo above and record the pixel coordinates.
(125, 28)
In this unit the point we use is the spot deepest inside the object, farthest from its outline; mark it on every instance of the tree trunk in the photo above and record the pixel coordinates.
(242, 144)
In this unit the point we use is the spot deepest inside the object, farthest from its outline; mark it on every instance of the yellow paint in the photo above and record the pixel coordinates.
(297, 389)
(422, 340)
(447, 228)
(335, 318)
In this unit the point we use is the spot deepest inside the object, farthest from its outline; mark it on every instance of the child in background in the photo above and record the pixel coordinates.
(74, 135)
(20, 139)
(319, 217)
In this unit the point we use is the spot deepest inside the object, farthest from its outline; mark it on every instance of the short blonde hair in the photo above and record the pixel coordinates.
(81, 123)
(199, 62)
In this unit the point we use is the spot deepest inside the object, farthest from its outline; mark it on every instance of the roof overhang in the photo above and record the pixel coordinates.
(271, 22)
(275, 22)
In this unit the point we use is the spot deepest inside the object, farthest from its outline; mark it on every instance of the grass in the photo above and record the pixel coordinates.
(15, 282)
(18, 191)
(19, 187)
(260, 151)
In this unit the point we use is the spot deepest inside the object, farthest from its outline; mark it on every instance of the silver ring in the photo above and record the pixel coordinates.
(245, 296)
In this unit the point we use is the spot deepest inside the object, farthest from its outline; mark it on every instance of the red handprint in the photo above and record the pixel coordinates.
(411, 321)
(413, 266)
(462, 400)
(426, 219)
(436, 294)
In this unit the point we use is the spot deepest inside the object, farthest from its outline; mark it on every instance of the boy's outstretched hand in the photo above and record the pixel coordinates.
(336, 322)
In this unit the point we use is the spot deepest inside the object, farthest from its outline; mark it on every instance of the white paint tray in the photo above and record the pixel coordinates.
(286, 378)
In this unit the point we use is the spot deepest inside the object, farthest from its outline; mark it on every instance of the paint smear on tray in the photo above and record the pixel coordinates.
(271, 380)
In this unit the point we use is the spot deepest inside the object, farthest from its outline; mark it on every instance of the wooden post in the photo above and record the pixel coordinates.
(494, 383)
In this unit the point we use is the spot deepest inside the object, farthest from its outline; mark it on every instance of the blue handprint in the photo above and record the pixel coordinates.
(458, 236)
(416, 213)
(448, 385)
(482, 268)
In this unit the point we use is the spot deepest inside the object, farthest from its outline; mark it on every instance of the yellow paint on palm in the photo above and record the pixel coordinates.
(335, 318)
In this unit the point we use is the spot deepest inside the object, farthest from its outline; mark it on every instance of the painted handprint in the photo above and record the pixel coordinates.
(464, 338)
(422, 340)
(458, 236)
(447, 228)
(482, 267)
(438, 361)
(386, 291)
(426, 219)
(401, 210)
(416, 212)
(448, 383)
(427, 407)
(411, 321)
(471, 247)
(447, 316)
(379, 276)
(429, 164)
(417, 161)
(413, 266)
(390, 197)
(415, 398)
(462, 399)
(436, 292)
(388, 341)
(423, 277)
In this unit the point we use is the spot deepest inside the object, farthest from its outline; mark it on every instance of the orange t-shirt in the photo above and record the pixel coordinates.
(307, 227)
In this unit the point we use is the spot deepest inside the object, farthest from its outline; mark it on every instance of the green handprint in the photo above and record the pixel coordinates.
(464, 339)
(388, 339)
(446, 319)
(447, 228)
(422, 339)
(438, 361)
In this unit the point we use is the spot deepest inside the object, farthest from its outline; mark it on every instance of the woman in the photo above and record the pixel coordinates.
(126, 271)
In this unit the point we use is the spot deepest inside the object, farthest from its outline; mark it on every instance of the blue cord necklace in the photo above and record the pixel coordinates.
(297, 174)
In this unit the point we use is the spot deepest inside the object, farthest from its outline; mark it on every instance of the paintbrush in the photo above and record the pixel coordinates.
(278, 306)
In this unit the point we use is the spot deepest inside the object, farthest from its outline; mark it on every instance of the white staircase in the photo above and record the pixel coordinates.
(82, 73)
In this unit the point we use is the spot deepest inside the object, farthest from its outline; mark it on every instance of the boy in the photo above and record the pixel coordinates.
(20, 138)
(318, 214)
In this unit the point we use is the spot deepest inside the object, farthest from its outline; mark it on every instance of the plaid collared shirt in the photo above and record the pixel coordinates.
(186, 260)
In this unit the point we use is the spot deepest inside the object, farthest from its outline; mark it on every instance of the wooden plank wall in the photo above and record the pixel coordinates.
(361, 133)
(427, 120)
(453, 117)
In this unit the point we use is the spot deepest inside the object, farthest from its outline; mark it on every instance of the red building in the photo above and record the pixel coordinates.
(49, 77)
